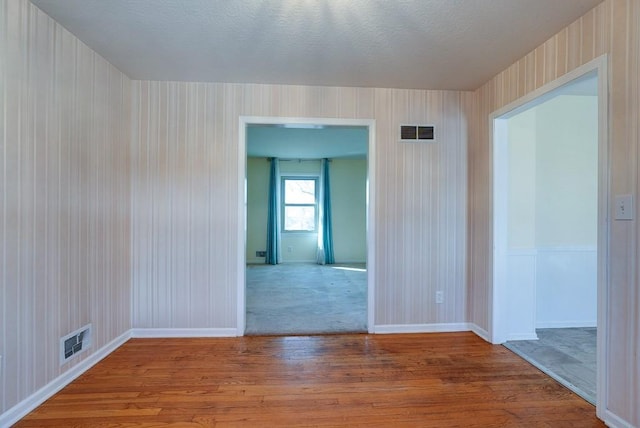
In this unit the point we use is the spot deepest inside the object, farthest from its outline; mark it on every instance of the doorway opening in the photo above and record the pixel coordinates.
(301, 179)
(550, 193)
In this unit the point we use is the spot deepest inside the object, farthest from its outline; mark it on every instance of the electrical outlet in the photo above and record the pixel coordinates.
(289, 249)
(439, 297)
(261, 254)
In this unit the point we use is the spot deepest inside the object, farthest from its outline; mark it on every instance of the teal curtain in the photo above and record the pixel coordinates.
(273, 215)
(325, 230)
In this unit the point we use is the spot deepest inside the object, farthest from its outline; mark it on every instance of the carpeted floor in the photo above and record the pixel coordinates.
(566, 354)
(300, 298)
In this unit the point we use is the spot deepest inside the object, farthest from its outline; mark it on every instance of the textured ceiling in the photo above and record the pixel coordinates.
(420, 44)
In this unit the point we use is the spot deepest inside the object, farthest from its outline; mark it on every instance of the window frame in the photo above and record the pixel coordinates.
(284, 204)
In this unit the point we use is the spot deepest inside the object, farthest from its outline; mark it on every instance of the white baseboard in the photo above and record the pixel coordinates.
(21, 409)
(421, 328)
(482, 333)
(183, 332)
(567, 324)
(522, 336)
(614, 421)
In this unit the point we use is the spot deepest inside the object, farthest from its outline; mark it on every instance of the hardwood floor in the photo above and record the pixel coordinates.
(427, 380)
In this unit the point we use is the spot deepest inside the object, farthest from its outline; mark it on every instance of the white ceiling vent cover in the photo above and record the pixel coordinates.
(75, 343)
(417, 133)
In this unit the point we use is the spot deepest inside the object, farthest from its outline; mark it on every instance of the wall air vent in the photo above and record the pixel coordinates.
(416, 133)
(75, 343)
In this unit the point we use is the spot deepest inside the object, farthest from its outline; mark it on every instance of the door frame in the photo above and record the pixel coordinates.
(245, 121)
(497, 126)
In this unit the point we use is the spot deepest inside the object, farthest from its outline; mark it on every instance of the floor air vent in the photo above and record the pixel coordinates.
(414, 133)
(74, 343)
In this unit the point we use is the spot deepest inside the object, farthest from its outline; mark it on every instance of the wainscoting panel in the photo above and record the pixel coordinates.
(612, 29)
(65, 205)
(567, 287)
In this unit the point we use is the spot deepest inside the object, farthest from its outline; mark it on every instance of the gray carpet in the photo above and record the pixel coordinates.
(566, 354)
(300, 298)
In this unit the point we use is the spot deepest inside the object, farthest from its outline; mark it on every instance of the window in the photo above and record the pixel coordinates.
(300, 204)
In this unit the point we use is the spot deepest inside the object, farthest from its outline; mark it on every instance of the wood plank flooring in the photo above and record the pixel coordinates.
(426, 380)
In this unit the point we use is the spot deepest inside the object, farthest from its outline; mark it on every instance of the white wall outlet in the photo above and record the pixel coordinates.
(289, 249)
(439, 297)
(624, 207)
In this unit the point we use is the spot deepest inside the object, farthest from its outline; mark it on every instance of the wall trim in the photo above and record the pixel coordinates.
(146, 333)
(421, 328)
(567, 324)
(522, 336)
(480, 332)
(20, 410)
(614, 421)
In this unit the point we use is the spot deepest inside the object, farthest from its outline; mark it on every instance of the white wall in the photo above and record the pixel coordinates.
(566, 280)
(567, 171)
(65, 258)
(552, 256)
(521, 230)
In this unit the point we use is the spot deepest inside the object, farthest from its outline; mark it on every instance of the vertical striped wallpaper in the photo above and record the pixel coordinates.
(65, 204)
(612, 28)
(421, 208)
(185, 214)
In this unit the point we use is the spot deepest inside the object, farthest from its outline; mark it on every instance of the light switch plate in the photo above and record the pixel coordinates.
(624, 207)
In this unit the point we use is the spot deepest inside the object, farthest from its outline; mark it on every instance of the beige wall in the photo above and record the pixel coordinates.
(185, 197)
(65, 205)
(611, 28)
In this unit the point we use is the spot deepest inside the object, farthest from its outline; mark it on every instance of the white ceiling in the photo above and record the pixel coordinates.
(419, 44)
